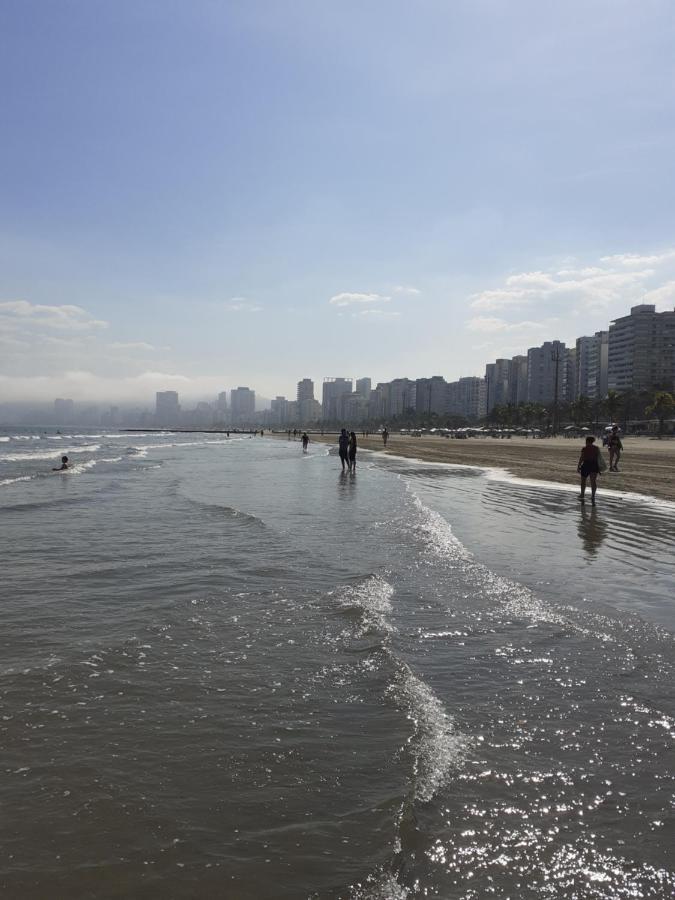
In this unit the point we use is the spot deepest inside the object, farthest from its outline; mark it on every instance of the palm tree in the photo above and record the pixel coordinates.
(582, 410)
(661, 406)
(612, 401)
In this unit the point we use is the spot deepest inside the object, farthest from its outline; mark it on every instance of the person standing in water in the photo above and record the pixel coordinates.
(352, 451)
(589, 467)
(64, 465)
(343, 448)
(305, 441)
(385, 437)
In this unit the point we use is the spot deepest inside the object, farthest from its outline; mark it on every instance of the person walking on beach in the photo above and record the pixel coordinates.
(589, 467)
(352, 451)
(343, 448)
(64, 465)
(385, 436)
(305, 441)
(615, 447)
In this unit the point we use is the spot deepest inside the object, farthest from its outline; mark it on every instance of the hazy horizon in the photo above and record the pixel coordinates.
(205, 196)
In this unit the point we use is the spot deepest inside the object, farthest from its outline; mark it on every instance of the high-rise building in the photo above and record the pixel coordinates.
(364, 387)
(379, 401)
(497, 379)
(242, 403)
(167, 408)
(431, 395)
(518, 380)
(309, 411)
(570, 374)
(466, 397)
(641, 354)
(546, 370)
(401, 396)
(334, 390)
(305, 390)
(355, 408)
(591, 366)
(279, 410)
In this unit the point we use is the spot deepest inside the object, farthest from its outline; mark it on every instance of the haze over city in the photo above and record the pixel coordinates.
(199, 197)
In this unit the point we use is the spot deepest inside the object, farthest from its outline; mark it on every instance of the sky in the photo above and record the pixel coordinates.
(199, 195)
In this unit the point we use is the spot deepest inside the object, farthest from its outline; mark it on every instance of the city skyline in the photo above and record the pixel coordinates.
(421, 191)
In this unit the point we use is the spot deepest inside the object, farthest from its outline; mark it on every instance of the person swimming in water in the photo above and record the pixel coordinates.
(64, 465)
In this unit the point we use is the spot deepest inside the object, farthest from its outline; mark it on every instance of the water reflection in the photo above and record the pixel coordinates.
(592, 531)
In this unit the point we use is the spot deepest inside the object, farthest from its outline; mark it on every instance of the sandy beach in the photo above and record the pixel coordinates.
(647, 466)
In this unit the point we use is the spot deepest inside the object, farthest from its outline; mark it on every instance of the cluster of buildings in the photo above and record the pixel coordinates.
(636, 353)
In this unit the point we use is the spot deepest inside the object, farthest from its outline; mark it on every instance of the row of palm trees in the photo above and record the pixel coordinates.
(615, 407)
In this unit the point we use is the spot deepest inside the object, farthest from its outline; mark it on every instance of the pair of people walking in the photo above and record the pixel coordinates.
(347, 450)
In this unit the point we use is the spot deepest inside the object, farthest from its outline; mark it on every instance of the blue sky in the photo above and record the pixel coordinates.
(185, 187)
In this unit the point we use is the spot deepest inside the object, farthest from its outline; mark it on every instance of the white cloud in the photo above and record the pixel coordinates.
(241, 304)
(407, 289)
(66, 317)
(349, 298)
(592, 286)
(376, 314)
(494, 325)
(134, 345)
(662, 297)
(636, 259)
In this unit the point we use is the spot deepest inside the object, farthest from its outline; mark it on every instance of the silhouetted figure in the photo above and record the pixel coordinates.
(64, 465)
(385, 437)
(589, 467)
(352, 451)
(305, 442)
(343, 449)
(615, 447)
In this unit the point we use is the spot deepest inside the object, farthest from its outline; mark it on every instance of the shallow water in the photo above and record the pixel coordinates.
(228, 670)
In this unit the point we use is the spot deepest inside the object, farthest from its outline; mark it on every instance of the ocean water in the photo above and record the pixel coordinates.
(227, 670)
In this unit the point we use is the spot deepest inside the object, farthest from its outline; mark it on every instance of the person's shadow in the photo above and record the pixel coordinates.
(592, 531)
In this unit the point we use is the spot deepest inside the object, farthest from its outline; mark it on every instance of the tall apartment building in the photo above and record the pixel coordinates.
(431, 395)
(379, 401)
(242, 403)
(279, 411)
(641, 354)
(364, 387)
(355, 408)
(334, 390)
(305, 390)
(466, 397)
(221, 407)
(546, 370)
(498, 381)
(402, 393)
(167, 408)
(518, 380)
(591, 366)
(309, 411)
(570, 374)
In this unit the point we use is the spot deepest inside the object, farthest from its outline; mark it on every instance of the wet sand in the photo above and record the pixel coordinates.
(647, 466)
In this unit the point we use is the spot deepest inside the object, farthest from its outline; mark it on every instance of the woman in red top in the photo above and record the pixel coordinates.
(589, 467)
